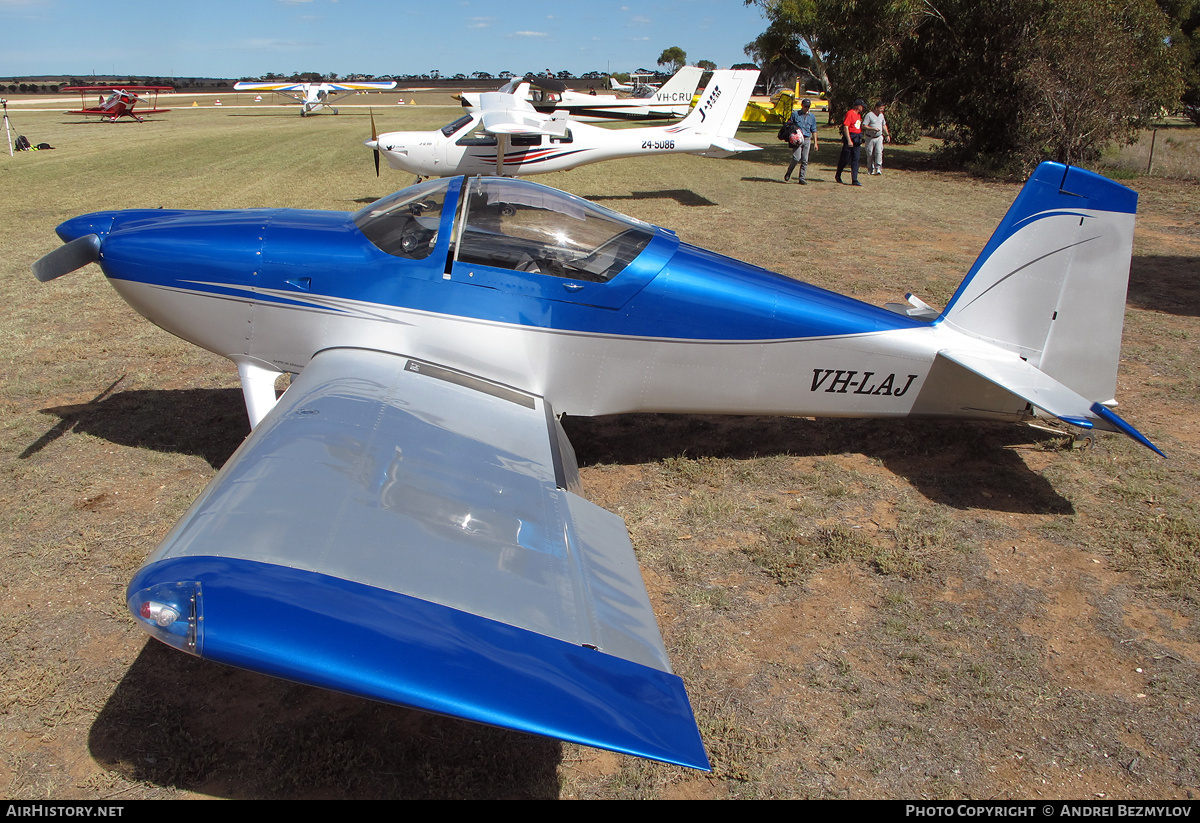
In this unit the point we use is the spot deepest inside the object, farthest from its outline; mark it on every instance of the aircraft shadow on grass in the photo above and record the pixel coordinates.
(290, 114)
(181, 722)
(143, 121)
(209, 423)
(1166, 283)
(776, 153)
(962, 465)
(684, 197)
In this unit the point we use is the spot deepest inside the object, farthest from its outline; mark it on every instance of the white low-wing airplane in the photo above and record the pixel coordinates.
(550, 96)
(405, 522)
(509, 137)
(313, 97)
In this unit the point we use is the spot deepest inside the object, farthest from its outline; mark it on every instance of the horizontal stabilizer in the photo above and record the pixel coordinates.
(1041, 390)
(406, 532)
(733, 144)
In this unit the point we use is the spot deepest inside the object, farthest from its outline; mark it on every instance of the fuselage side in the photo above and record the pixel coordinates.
(681, 329)
(465, 151)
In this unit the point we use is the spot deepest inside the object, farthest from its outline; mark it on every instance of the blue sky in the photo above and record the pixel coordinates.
(246, 38)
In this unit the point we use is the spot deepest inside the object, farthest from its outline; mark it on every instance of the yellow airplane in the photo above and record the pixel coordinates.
(780, 108)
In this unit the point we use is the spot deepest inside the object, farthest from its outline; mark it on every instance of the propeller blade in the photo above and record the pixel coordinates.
(375, 139)
(68, 257)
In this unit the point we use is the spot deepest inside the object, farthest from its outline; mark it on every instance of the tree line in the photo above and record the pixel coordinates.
(1009, 83)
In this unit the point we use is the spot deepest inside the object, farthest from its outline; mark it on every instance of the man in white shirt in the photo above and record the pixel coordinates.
(875, 131)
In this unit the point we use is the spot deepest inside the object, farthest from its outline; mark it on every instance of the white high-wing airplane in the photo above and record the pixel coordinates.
(315, 96)
(549, 96)
(509, 137)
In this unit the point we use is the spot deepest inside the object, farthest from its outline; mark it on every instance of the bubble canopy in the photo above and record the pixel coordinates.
(507, 223)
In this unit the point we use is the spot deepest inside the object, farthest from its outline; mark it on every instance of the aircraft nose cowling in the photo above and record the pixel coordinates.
(161, 247)
(98, 223)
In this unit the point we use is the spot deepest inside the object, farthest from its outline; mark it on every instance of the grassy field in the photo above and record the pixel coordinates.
(1176, 153)
(858, 608)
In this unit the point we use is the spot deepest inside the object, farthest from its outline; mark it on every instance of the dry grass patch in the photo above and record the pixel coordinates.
(851, 603)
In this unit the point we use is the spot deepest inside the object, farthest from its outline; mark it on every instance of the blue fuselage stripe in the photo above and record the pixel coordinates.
(672, 290)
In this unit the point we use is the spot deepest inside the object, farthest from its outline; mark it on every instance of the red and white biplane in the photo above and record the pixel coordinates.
(117, 102)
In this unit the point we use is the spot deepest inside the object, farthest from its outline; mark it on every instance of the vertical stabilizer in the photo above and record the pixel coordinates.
(720, 109)
(681, 88)
(1050, 284)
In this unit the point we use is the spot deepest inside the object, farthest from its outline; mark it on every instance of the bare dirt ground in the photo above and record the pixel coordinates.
(858, 608)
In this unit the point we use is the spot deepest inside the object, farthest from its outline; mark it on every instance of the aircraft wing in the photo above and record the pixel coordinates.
(116, 87)
(364, 85)
(292, 87)
(288, 87)
(509, 114)
(413, 534)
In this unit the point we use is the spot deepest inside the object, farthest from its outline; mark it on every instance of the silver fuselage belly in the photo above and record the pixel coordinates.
(874, 374)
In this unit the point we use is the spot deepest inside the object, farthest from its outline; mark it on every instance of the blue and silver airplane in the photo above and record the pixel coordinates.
(405, 522)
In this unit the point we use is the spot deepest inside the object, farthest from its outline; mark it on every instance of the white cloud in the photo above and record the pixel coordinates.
(269, 44)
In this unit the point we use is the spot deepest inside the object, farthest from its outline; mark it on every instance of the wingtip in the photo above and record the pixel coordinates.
(392, 647)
